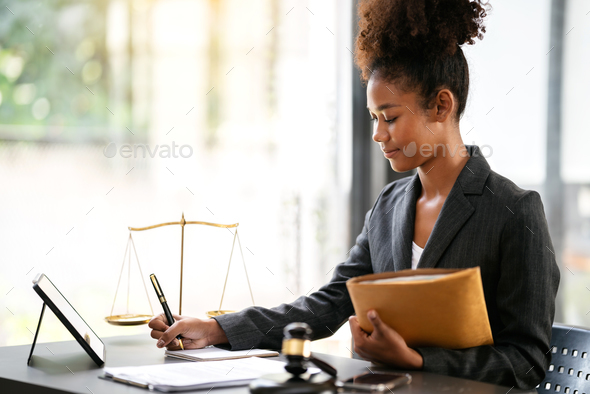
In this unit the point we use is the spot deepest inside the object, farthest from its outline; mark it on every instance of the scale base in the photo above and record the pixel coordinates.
(286, 383)
(129, 319)
(211, 314)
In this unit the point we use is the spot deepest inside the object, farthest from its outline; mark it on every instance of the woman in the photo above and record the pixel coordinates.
(454, 213)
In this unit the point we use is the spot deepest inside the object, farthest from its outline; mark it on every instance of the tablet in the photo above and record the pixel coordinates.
(66, 313)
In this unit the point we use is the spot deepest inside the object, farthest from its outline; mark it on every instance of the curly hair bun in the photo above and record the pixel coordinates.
(428, 29)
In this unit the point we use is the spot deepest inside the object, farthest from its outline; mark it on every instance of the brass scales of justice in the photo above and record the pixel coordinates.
(133, 319)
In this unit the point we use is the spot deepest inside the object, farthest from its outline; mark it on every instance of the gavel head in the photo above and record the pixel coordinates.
(296, 347)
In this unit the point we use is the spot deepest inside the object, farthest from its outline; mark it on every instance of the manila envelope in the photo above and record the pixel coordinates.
(448, 312)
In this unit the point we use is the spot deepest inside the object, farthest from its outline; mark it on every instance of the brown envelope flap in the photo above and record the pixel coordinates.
(413, 272)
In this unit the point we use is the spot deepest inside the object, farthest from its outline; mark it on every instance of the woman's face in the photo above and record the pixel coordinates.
(400, 126)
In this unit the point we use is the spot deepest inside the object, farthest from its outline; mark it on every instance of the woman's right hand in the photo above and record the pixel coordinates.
(196, 333)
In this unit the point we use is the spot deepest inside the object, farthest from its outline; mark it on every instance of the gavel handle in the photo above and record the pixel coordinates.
(324, 366)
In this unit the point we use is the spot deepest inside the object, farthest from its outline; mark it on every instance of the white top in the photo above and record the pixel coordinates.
(416, 253)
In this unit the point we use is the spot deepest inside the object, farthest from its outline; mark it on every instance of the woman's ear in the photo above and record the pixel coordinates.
(444, 105)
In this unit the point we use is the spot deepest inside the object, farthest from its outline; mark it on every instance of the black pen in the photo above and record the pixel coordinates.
(162, 299)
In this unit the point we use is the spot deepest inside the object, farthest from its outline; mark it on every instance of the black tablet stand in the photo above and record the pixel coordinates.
(36, 334)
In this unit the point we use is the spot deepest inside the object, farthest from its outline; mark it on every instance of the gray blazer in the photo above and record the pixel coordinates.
(486, 221)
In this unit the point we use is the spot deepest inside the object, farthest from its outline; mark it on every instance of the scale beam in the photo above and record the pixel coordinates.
(182, 223)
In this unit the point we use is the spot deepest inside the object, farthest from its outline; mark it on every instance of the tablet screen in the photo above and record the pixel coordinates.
(44, 286)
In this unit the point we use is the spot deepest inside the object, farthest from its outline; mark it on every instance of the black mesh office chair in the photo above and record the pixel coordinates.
(569, 371)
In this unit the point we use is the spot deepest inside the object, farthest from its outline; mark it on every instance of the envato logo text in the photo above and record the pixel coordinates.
(428, 150)
(166, 151)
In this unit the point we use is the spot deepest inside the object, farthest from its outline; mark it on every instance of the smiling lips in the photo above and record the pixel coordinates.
(390, 153)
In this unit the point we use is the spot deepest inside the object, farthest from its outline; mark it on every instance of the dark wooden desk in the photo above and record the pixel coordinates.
(64, 367)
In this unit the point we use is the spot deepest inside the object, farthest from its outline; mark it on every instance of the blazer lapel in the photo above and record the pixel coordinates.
(455, 212)
(404, 214)
(456, 209)
(453, 215)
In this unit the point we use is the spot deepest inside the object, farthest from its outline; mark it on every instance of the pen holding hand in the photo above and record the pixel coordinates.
(196, 333)
(162, 299)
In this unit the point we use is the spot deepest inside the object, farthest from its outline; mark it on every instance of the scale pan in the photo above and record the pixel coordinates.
(128, 319)
(218, 313)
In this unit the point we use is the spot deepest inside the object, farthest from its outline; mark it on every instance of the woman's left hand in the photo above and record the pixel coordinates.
(383, 345)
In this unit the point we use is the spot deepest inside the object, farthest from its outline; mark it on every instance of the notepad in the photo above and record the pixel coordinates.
(212, 353)
(193, 376)
(427, 307)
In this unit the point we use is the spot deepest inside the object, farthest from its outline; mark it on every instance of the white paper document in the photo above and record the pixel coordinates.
(211, 353)
(192, 376)
(411, 278)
